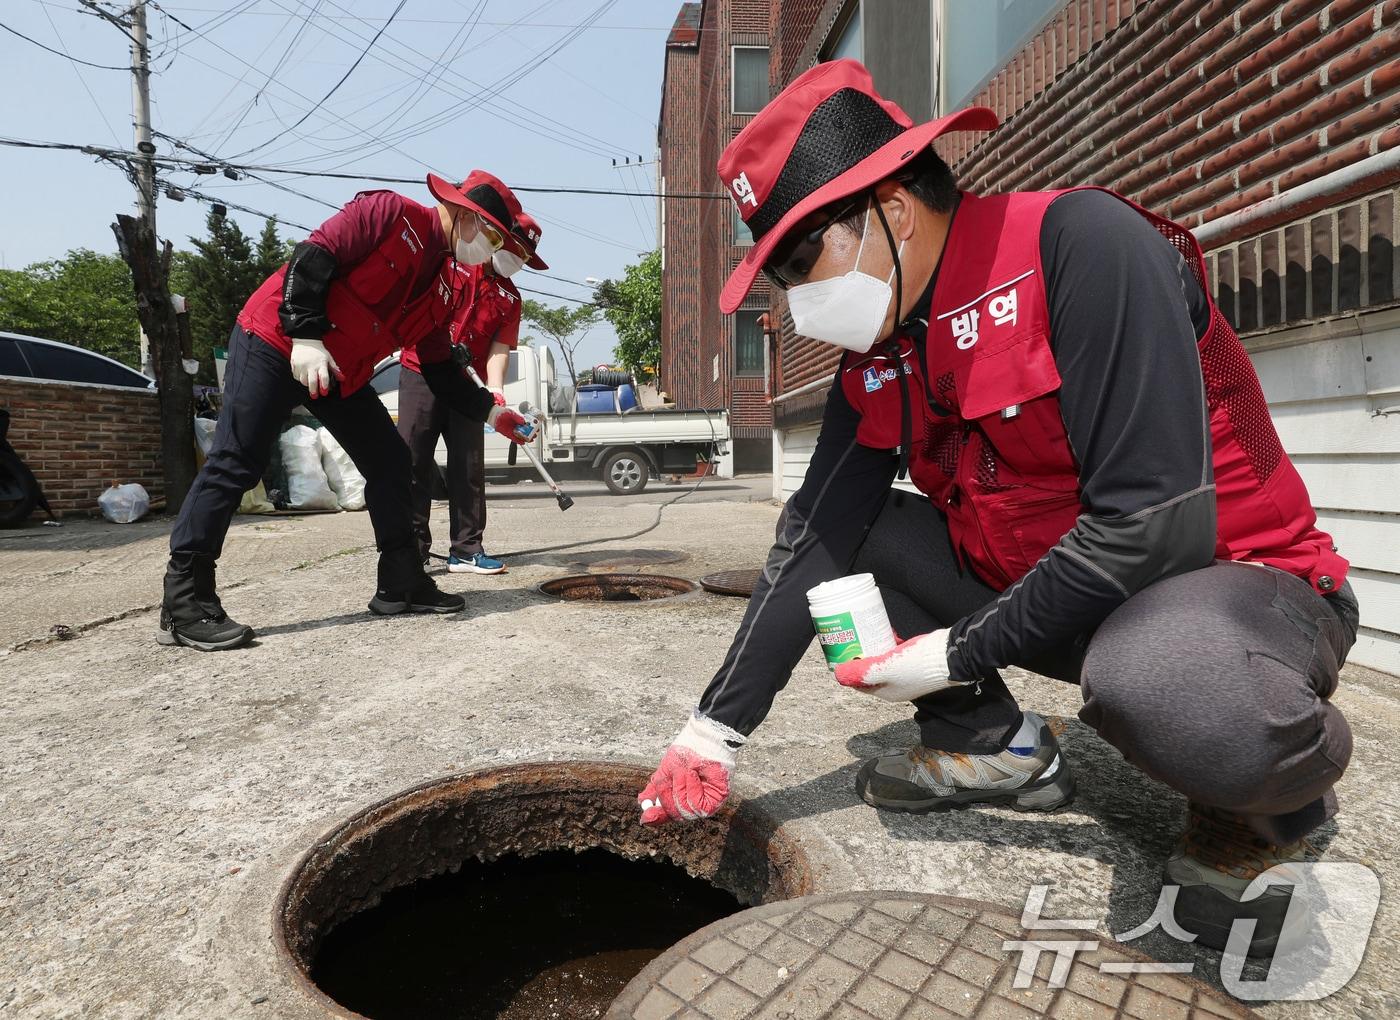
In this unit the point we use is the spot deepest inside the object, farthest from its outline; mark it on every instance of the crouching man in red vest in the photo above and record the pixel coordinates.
(378, 275)
(1105, 500)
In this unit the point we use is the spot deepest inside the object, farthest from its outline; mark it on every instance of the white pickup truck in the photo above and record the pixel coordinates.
(624, 449)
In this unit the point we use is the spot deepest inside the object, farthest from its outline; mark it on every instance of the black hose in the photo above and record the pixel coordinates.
(612, 377)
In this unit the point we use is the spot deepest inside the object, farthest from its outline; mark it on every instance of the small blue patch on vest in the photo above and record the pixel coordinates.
(872, 379)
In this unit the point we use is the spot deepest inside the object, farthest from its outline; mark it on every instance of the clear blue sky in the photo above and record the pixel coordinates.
(562, 104)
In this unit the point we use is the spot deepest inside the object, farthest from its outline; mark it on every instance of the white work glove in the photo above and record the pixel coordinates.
(692, 780)
(910, 670)
(313, 366)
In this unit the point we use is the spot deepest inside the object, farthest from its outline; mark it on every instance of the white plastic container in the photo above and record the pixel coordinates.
(850, 619)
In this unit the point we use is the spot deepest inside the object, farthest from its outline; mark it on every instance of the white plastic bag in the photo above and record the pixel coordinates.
(307, 488)
(204, 434)
(122, 504)
(344, 477)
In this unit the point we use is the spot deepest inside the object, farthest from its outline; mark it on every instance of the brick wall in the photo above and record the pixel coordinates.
(78, 439)
(697, 124)
(1193, 108)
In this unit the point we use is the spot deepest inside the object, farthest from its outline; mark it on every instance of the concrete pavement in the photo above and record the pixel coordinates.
(155, 799)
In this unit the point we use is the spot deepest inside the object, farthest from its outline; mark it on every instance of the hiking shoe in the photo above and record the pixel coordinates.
(1030, 774)
(476, 563)
(424, 597)
(191, 613)
(1216, 859)
(215, 633)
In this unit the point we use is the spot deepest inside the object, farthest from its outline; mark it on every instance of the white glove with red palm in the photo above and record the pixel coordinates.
(910, 670)
(510, 424)
(692, 780)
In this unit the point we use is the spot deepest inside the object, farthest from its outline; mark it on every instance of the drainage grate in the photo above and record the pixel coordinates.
(618, 587)
(901, 956)
(733, 582)
(413, 867)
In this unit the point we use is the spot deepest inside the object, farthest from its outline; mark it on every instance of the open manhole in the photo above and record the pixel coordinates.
(733, 582)
(518, 893)
(618, 587)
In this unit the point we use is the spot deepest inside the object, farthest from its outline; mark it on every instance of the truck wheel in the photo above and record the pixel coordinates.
(626, 472)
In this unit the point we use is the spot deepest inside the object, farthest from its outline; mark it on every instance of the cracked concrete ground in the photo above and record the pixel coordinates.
(154, 799)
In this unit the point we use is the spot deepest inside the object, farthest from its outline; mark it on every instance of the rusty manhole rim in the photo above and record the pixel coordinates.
(684, 589)
(738, 817)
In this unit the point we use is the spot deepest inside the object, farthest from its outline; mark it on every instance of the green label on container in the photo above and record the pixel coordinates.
(837, 635)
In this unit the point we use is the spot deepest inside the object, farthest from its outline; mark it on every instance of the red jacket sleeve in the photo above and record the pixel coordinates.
(360, 227)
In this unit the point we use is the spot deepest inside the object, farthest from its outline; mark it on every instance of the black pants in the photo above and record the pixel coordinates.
(259, 393)
(423, 418)
(1215, 682)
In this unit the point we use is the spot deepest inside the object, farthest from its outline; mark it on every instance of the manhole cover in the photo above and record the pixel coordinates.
(898, 956)
(589, 558)
(733, 582)
(514, 894)
(618, 587)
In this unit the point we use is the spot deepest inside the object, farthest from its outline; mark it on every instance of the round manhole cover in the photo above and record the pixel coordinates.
(618, 587)
(589, 559)
(900, 956)
(733, 582)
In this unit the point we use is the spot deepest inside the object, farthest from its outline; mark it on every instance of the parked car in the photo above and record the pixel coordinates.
(624, 447)
(30, 357)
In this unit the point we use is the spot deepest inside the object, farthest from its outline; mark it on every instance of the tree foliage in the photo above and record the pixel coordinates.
(84, 298)
(565, 326)
(633, 306)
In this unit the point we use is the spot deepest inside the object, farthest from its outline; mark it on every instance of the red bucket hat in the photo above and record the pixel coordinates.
(527, 232)
(827, 135)
(483, 193)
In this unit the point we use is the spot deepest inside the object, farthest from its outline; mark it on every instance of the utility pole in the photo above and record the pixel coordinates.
(141, 114)
(149, 261)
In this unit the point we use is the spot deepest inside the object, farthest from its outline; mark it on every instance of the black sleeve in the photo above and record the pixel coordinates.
(825, 522)
(1125, 313)
(303, 309)
(449, 383)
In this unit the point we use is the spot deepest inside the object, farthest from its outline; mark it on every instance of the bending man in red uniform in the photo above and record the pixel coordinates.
(488, 327)
(1106, 500)
(378, 275)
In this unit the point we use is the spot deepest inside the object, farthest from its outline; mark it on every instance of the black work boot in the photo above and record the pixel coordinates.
(405, 588)
(191, 613)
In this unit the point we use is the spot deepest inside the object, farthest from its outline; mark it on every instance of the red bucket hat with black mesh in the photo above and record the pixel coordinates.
(481, 192)
(527, 232)
(826, 136)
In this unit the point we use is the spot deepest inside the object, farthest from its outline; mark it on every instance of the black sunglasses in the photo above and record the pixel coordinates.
(794, 256)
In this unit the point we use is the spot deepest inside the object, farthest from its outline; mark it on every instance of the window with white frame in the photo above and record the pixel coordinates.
(750, 79)
(743, 236)
(978, 36)
(748, 342)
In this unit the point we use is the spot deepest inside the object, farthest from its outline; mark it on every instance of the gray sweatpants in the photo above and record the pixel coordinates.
(1215, 682)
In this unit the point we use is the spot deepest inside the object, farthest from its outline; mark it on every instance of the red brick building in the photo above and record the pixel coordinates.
(1267, 127)
(716, 78)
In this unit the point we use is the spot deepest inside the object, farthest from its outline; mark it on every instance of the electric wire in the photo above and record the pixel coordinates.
(82, 80)
(60, 53)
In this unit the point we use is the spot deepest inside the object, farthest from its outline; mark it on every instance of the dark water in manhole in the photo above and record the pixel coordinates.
(552, 937)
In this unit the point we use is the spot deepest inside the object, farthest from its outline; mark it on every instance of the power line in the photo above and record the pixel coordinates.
(545, 293)
(363, 53)
(83, 81)
(60, 53)
(251, 168)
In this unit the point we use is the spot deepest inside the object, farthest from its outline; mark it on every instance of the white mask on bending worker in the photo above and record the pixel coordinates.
(848, 310)
(507, 263)
(473, 252)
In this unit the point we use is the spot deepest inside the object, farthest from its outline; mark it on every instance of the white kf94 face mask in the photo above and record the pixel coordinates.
(848, 310)
(507, 263)
(473, 252)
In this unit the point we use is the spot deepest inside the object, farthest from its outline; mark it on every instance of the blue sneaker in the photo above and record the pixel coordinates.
(478, 563)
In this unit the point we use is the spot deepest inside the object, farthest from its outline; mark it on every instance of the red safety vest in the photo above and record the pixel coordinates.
(489, 313)
(369, 305)
(999, 462)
